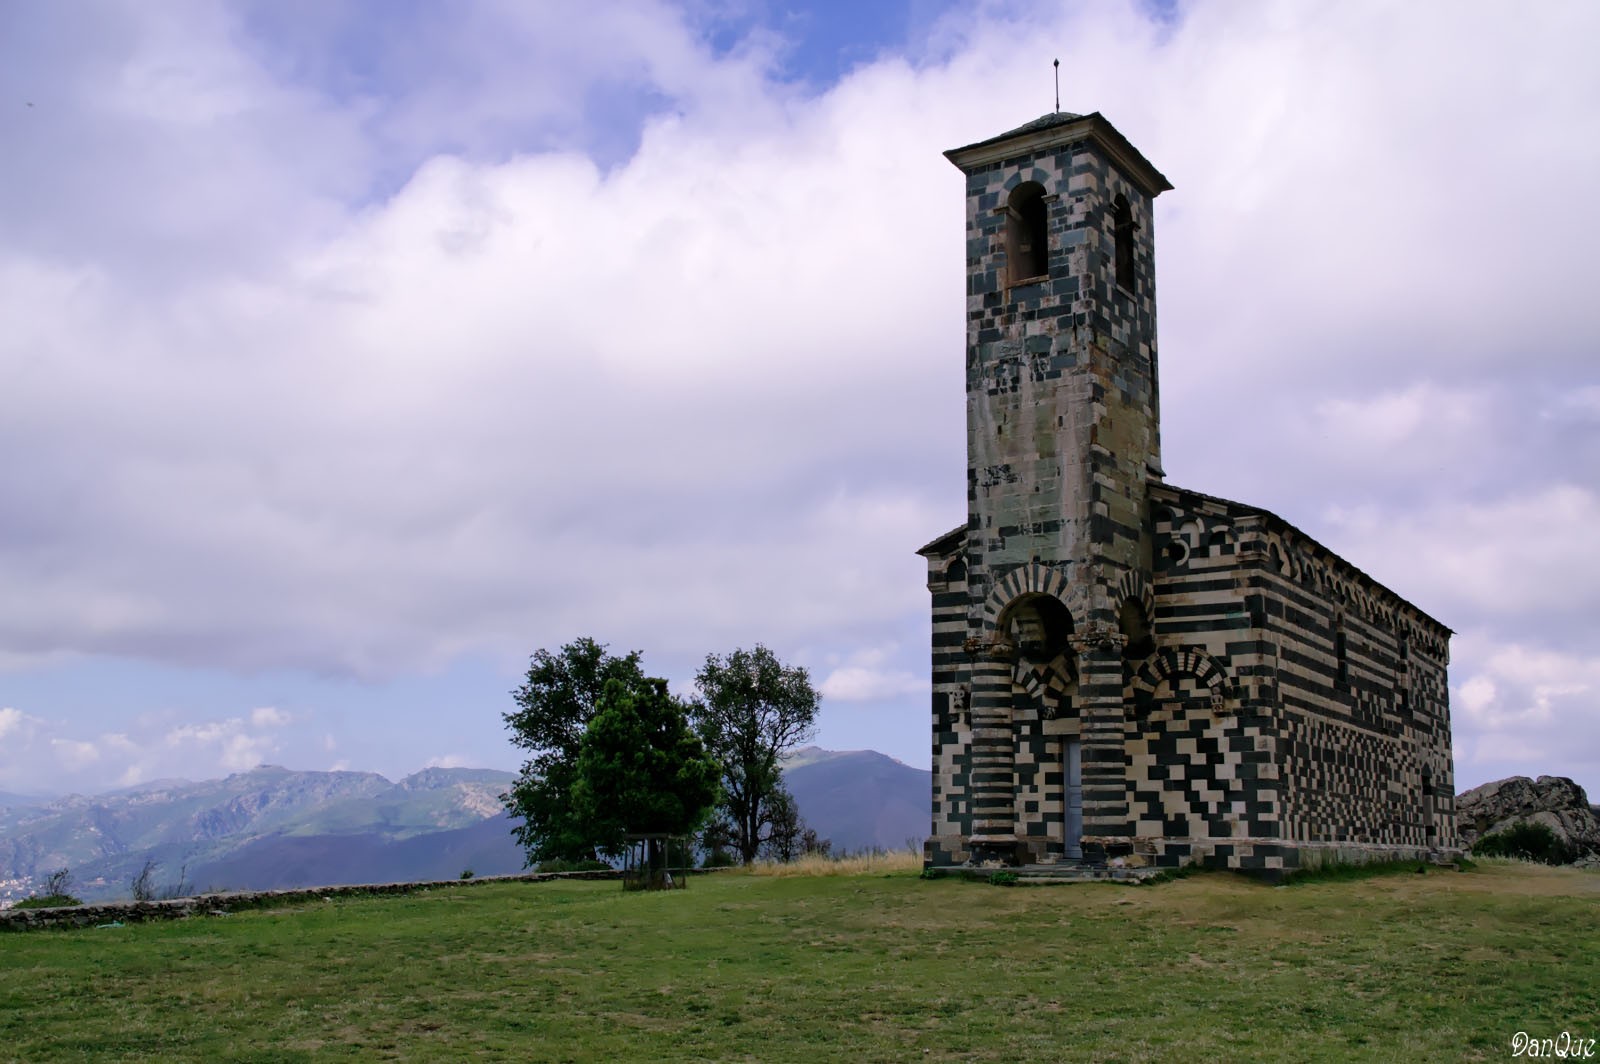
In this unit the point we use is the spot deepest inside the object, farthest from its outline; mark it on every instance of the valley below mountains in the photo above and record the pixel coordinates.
(275, 828)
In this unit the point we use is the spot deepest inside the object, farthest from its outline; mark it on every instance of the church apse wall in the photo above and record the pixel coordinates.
(1340, 739)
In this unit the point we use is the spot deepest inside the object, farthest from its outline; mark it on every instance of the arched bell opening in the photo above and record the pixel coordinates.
(1123, 229)
(1027, 234)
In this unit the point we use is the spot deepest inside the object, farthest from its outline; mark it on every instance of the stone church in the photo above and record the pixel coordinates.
(1126, 671)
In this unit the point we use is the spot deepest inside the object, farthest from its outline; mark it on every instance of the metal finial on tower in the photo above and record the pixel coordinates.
(1057, 65)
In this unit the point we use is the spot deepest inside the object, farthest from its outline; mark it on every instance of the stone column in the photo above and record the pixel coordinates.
(993, 782)
(1106, 830)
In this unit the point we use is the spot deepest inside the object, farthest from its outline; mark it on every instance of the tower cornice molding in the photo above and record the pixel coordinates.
(1093, 127)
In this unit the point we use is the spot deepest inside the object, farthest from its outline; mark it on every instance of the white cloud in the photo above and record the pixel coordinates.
(373, 475)
(50, 755)
(430, 372)
(119, 743)
(1423, 426)
(1477, 695)
(75, 754)
(1523, 555)
(232, 747)
(208, 732)
(11, 720)
(1581, 403)
(1522, 709)
(243, 752)
(269, 717)
(870, 674)
(448, 761)
(856, 683)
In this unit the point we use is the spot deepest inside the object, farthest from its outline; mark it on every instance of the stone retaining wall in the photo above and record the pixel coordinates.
(127, 912)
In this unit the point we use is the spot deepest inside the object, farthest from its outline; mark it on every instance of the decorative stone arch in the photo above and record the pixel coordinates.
(1171, 663)
(1192, 530)
(1032, 578)
(1037, 176)
(1133, 585)
(956, 571)
(1134, 603)
(1048, 672)
(1276, 552)
(1220, 538)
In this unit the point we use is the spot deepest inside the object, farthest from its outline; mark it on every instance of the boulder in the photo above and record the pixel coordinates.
(1554, 801)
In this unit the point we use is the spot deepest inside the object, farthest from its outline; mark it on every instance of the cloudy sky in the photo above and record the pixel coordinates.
(350, 352)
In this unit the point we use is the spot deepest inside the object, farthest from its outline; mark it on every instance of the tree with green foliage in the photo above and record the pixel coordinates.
(1527, 840)
(716, 840)
(789, 837)
(555, 705)
(641, 769)
(753, 709)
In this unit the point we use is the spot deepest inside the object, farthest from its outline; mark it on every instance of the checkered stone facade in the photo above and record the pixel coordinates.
(1123, 670)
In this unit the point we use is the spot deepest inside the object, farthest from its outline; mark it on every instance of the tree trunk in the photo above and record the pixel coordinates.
(750, 841)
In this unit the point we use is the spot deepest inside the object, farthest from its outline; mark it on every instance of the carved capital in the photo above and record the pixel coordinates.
(1098, 635)
(998, 649)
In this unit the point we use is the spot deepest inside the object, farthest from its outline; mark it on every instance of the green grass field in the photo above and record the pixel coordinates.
(1443, 966)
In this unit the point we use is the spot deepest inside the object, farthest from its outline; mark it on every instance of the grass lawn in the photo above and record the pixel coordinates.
(1443, 966)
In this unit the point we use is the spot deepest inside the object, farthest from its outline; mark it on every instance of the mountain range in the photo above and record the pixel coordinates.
(274, 827)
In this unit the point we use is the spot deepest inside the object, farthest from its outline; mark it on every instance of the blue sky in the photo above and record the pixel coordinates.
(355, 351)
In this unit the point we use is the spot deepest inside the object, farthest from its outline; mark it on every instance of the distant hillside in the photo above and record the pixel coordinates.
(272, 827)
(105, 839)
(280, 862)
(860, 799)
(9, 800)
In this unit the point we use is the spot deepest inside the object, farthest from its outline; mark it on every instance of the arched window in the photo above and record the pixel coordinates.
(1122, 240)
(1027, 234)
(1427, 805)
(1341, 655)
(1402, 679)
(1138, 642)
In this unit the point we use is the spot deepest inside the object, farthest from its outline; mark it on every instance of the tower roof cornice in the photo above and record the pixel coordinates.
(1058, 128)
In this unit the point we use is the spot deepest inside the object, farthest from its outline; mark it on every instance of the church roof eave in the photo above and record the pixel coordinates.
(945, 543)
(1238, 509)
(1063, 127)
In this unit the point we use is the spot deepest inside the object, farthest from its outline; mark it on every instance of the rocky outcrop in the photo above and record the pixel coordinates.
(1554, 801)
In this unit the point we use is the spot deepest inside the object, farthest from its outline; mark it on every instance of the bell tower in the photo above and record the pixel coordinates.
(1063, 440)
(1126, 673)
